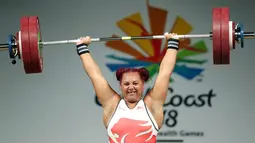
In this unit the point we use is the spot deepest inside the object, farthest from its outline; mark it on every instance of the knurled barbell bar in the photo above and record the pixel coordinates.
(27, 44)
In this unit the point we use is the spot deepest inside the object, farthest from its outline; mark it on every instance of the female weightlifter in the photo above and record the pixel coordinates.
(130, 117)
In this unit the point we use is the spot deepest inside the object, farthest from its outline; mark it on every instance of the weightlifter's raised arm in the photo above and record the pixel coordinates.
(160, 88)
(103, 90)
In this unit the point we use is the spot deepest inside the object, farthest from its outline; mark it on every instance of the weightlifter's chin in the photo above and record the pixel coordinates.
(132, 98)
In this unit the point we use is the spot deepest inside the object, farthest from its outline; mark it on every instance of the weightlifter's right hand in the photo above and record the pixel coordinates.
(84, 40)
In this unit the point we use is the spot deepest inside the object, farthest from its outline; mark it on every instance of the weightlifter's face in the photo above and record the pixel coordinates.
(131, 87)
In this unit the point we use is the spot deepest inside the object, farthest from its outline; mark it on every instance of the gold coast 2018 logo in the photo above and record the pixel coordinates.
(149, 53)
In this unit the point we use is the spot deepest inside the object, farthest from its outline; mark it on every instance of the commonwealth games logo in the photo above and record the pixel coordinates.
(187, 65)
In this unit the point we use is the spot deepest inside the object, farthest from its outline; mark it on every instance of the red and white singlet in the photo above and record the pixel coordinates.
(135, 125)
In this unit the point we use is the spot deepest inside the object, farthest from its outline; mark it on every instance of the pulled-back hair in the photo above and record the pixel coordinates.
(144, 73)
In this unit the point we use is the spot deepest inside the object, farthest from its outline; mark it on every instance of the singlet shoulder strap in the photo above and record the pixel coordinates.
(155, 125)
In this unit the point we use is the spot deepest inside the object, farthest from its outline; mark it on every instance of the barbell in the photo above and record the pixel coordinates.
(27, 43)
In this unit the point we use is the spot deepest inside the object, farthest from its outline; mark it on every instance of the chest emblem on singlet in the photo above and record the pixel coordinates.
(132, 131)
(140, 108)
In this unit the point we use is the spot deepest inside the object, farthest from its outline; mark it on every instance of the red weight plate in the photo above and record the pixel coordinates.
(216, 28)
(233, 34)
(225, 54)
(24, 39)
(34, 31)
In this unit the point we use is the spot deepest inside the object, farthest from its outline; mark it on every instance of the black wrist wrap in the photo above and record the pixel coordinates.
(173, 43)
(82, 49)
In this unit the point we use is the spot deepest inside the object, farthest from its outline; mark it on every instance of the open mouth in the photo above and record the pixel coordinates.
(132, 92)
